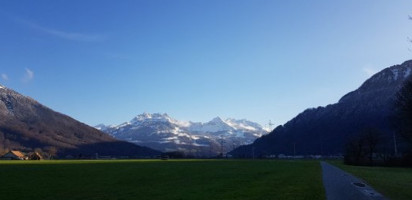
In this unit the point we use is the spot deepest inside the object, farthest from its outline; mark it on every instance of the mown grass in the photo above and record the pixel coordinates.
(157, 180)
(394, 183)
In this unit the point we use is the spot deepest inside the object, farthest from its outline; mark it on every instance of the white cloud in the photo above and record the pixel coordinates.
(63, 34)
(72, 36)
(369, 70)
(4, 77)
(28, 76)
(118, 56)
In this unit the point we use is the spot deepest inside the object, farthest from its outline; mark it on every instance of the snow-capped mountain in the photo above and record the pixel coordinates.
(161, 132)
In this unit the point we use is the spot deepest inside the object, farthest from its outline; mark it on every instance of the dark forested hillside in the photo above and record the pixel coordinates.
(25, 124)
(326, 130)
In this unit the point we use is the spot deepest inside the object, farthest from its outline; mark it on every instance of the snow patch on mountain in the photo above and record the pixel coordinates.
(160, 131)
(147, 117)
(395, 74)
(407, 73)
(213, 126)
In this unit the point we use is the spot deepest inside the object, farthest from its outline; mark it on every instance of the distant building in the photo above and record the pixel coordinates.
(14, 155)
(35, 156)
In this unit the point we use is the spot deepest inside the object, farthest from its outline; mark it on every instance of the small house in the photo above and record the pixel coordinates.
(35, 156)
(14, 155)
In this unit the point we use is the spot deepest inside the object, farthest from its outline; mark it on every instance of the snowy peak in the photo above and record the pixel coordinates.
(229, 125)
(217, 120)
(392, 74)
(161, 132)
(401, 71)
(383, 82)
(215, 125)
(148, 117)
(244, 124)
(102, 127)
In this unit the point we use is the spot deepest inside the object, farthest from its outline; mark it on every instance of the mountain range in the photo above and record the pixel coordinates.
(27, 125)
(163, 133)
(326, 130)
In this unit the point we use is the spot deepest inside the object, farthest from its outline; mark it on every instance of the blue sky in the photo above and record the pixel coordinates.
(107, 61)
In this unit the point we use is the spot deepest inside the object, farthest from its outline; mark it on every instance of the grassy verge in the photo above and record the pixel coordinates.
(182, 179)
(394, 183)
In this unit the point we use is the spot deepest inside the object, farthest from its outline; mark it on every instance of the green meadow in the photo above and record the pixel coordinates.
(157, 180)
(392, 182)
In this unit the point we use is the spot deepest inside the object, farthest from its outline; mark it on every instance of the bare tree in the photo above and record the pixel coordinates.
(360, 150)
(2, 150)
(52, 151)
(38, 150)
(371, 137)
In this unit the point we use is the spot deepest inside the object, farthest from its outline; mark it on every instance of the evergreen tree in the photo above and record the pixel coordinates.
(403, 110)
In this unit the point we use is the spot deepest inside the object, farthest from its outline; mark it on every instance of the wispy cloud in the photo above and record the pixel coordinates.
(28, 75)
(117, 56)
(4, 77)
(63, 34)
(369, 71)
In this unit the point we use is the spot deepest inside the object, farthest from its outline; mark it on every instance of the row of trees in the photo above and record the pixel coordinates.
(403, 111)
(403, 118)
(363, 149)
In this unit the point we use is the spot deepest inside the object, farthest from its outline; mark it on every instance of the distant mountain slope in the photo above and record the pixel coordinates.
(161, 132)
(325, 130)
(26, 124)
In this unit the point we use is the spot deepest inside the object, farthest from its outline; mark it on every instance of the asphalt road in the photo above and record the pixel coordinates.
(340, 185)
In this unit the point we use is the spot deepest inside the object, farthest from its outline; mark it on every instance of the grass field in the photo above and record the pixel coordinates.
(157, 180)
(394, 183)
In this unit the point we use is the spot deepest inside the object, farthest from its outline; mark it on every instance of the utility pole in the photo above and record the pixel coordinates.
(210, 150)
(395, 145)
(294, 149)
(222, 142)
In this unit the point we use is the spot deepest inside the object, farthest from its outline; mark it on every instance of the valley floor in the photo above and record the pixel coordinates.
(340, 185)
(153, 179)
(392, 182)
(186, 179)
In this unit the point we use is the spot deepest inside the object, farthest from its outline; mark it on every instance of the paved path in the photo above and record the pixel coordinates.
(340, 185)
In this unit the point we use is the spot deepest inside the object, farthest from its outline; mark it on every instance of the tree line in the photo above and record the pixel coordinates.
(364, 148)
